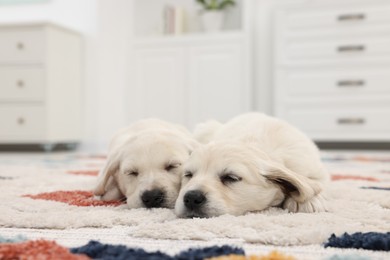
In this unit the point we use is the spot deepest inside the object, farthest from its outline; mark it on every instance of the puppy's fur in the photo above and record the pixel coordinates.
(144, 164)
(250, 163)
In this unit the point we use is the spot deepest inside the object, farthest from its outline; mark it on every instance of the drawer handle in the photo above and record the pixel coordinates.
(20, 83)
(20, 45)
(351, 48)
(351, 83)
(351, 17)
(351, 121)
(21, 121)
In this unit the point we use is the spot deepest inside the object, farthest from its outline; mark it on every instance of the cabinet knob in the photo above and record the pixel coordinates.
(21, 121)
(351, 83)
(20, 45)
(20, 83)
(351, 121)
(351, 17)
(351, 48)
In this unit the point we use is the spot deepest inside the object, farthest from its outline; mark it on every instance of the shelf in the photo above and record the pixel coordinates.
(191, 37)
(150, 19)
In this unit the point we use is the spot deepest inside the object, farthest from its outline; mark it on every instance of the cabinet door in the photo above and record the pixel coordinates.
(159, 89)
(217, 84)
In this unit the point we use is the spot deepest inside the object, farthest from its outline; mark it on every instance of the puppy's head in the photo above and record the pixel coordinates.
(229, 178)
(146, 170)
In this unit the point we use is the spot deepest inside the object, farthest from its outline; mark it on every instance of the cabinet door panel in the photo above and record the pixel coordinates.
(159, 85)
(216, 82)
(350, 16)
(22, 83)
(22, 122)
(22, 45)
(335, 82)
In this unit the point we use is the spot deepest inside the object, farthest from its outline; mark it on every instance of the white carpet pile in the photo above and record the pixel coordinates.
(354, 206)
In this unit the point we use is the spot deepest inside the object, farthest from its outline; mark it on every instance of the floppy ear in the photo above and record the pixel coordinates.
(299, 187)
(107, 187)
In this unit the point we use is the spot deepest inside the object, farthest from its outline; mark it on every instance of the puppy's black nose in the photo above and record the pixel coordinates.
(153, 198)
(194, 199)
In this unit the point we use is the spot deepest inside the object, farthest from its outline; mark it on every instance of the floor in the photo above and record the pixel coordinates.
(119, 235)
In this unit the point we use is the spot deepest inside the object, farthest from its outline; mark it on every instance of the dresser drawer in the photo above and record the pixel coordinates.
(22, 84)
(338, 50)
(336, 82)
(22, 46)
(351, 15)
(22, 121)
(349, 120)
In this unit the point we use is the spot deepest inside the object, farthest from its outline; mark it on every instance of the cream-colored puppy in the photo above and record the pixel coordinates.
(252, 162)
(144, 164)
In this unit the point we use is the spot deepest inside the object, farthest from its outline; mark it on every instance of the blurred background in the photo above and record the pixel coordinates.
(72, 72)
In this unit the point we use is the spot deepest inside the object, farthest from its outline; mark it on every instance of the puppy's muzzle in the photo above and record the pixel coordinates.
(153, 198)
(194, 200)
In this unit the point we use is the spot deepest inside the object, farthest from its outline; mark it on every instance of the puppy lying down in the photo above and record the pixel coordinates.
(144, 164)
(248, 164)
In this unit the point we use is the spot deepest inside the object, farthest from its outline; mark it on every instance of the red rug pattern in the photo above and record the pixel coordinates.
(75, 198)
(37, 249)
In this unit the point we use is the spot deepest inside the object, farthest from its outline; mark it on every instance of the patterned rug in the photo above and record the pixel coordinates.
(48, 197)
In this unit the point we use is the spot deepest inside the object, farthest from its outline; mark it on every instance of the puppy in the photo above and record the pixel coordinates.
(253, 162)
(144, 164)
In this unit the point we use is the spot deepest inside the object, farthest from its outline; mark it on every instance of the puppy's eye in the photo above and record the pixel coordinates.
(171, 166)
(230, 178)
(132, 173)
(188, 174)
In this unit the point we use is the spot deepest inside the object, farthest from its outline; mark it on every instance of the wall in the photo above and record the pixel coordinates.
(263, 50)
(113, 55)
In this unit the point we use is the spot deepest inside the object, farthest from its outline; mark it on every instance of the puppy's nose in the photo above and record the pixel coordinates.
(194, 199)
(153, 198)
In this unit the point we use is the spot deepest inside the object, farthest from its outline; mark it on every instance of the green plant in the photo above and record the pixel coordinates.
(216, 4)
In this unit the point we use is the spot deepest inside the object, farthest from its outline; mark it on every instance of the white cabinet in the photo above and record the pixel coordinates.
(191, 79)
(332, 69)
(159, 80)
(40, 85)
(216, 85)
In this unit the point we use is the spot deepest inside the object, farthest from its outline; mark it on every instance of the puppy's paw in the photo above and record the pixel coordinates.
(95, 197)
(112, 194)
(315, 204)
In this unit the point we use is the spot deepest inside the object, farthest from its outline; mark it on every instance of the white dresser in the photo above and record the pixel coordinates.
(332, 69)
(40, 85)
